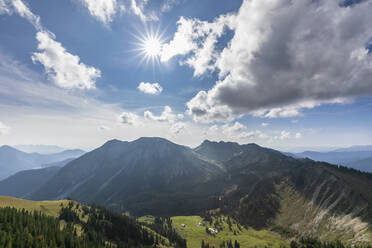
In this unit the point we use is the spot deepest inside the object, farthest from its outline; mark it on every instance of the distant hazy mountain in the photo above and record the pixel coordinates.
(354, 149)
(258, 186)
(335, 157)
(362, 164)
(13, 160)
(23, 183)
(57, 164)
(42, 149)
(361, 160)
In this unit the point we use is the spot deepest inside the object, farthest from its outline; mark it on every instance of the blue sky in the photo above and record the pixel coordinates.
(76, 73)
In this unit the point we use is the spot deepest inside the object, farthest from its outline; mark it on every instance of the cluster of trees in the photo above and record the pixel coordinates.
(108, 228)
(224, 244)
(163, 226)
(102, 229)
(349, 170)
(217, 222)
(21, 229)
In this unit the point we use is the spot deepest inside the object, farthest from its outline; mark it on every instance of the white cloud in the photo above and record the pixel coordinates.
(63, 68)
(247, 135)
(10, 6)
(177, 128)
(103, 10)
(298, 135)
(137, 7)
(168, 5)
(4, 8)
(264, 124)
(128, 118)
(137, 10)
(199, 39)
(182, 42)
(285, 135)
(257, 134)
(213, 128)
(25, 12)
(231, 130)
(282, 112)
(166, 116)
(203, 111)
(237, 132)
(149, 88)
(4, 129)
(280, 60)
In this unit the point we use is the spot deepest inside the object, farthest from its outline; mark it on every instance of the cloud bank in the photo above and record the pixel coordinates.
(284, 56)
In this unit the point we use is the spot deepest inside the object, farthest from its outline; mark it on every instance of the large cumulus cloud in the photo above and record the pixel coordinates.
(287, 55)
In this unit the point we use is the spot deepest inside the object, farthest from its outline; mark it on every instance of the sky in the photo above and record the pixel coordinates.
(280, 73)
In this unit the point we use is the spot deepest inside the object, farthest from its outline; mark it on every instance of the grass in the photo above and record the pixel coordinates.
(298, 214)
(50, 208)
(194, 233)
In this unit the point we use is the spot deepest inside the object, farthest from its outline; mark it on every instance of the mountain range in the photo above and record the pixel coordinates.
(42, 149)
(13, 160)
(260, 187)
(357, 157)
(23, 183)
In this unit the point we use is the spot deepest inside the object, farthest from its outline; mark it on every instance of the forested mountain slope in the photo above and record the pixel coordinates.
(260, 187)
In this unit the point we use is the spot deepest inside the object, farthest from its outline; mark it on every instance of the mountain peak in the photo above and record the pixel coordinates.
(113, 141)
(152, 139)
(253, 145)
(218, 151)
(7, 148)
(221, 142)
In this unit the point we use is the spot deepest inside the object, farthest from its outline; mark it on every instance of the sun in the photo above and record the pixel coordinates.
(152, 46)
(149, 46)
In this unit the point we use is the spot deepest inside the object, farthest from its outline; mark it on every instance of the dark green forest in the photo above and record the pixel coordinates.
(19, 229)
(104, 229)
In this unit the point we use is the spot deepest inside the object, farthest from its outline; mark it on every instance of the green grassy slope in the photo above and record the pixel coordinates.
(50, 208)
(195, 233)
(306, 218)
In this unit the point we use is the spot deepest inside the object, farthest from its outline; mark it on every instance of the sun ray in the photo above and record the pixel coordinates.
(149, 45)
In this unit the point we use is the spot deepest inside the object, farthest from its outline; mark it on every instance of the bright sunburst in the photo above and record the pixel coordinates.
(152, 46)
(149, 46)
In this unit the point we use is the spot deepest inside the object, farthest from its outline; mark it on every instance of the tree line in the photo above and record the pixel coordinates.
(20, 229)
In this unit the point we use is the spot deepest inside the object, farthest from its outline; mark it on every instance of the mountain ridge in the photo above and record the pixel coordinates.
(146, 163)
(361, 160)
(256, 185)
(13, 160)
